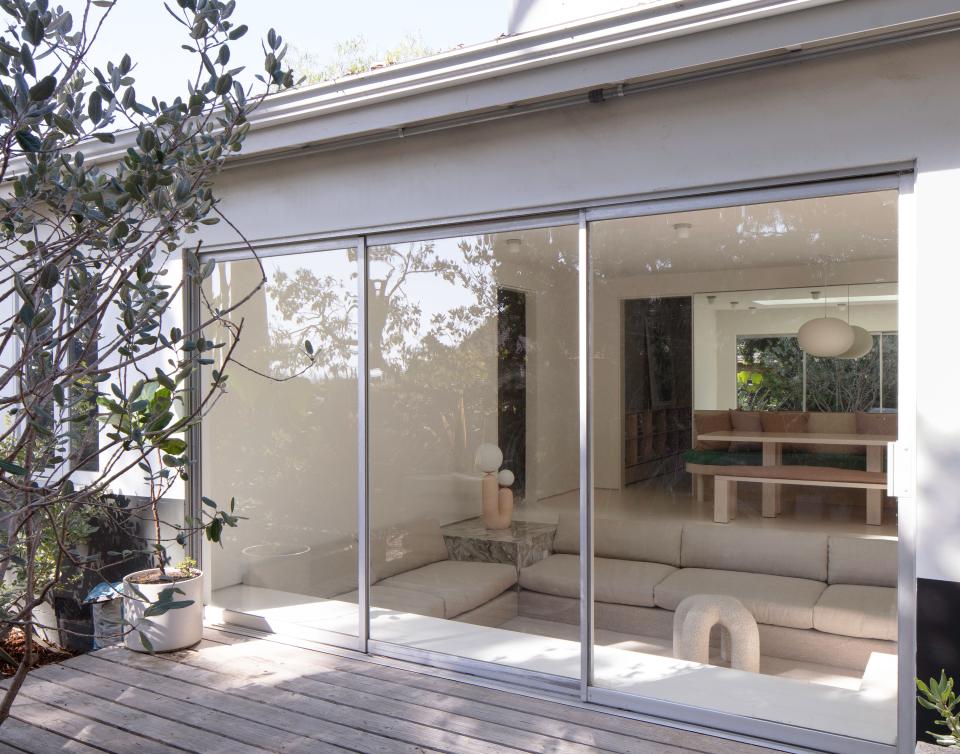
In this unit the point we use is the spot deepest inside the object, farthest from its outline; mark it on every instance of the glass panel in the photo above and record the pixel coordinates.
(282, 440)
(731, 346)
(473, 373)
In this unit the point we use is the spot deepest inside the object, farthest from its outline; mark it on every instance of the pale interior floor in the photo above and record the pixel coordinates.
(553, 647)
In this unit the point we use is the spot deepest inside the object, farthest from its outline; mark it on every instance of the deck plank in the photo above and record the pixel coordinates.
(316, 675)
(233, 734)
(220, 673)
(405, 706)
(237, 693)
(36, 740)
(79, 727)
(570, 714)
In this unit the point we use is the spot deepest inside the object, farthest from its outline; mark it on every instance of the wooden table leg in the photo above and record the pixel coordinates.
(874, 497)
(724, 500)
(772, 456)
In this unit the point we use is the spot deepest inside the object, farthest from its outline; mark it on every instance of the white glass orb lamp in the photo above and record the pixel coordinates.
(488, 458)
(826, 336)
(505, 478)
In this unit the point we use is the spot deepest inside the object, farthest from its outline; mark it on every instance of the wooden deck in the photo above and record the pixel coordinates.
(236, 694)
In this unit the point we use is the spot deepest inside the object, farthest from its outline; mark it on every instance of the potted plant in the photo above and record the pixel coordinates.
(939, 696)
(163, 606)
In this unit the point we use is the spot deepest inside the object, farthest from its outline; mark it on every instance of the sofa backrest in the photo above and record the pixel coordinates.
(325, 570)
(834, 423)
(867, 562)
(623, 539)
(403, 547)
(755, 550)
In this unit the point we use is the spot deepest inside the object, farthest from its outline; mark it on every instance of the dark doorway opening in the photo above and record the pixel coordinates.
(512, 384)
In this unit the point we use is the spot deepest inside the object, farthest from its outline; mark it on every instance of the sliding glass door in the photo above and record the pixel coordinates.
(282, 440)
(723, 375)
(745, 549)
(473, 425)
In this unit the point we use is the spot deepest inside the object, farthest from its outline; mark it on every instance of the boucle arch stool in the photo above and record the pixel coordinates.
(698, 614)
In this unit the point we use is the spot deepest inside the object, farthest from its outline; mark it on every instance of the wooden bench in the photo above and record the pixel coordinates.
(725, 490)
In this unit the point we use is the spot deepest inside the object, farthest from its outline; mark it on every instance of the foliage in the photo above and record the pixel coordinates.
(355, 56)
(96, 369)
(770, 377)
(939, 696)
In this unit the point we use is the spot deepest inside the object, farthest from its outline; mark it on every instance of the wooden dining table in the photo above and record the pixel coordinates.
(772, 446)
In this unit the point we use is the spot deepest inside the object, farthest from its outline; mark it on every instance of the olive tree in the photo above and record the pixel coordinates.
(101, 188)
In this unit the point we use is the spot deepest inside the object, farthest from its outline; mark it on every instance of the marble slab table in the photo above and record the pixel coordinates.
(523, 544)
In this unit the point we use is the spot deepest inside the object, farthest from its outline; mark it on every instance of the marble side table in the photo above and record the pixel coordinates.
(523, 544)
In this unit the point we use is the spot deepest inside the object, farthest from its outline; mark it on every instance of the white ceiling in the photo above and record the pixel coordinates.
(825, 231)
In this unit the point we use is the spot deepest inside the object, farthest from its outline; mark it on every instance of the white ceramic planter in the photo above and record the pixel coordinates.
(175, 629)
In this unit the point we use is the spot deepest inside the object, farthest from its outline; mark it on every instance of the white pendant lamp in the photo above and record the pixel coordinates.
(825, 336)
(862, 344)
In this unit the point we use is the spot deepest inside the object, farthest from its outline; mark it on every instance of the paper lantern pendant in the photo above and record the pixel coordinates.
(862, 344)
(826, 336)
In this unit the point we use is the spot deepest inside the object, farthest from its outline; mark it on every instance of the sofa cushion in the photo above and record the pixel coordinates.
(870, 423)
(325, 570)
(623, 539)
(710, 421)
(745, 421)
(866, 562)
(462, 585)
(867, 612)
(775, 600)
(757, 550)
(403, 547)
(834, 423)
(401, 600)
(786, 421)
(624, 582)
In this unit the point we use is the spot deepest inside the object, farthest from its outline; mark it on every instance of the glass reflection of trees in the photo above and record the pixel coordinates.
(770, 377)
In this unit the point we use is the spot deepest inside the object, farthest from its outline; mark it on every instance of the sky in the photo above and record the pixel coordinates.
(145, 30)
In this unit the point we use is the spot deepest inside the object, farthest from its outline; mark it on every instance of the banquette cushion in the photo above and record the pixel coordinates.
(776, 600)
(746, 548)
(869, 612)
(870, 423)
(856, 560)
(834, 423)
(786, 421)
(711, 421)
(745, 421)
(461, 585)
(625, 539)
(622, 582)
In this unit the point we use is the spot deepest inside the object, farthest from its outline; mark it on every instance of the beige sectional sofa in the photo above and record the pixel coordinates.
(410, 572)
(818, 598)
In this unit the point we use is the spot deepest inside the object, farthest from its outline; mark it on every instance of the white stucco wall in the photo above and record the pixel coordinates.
(883, 105)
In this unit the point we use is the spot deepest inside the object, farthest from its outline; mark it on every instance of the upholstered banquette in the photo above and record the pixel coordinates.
(410, 572)
(814, 595)
(706, 455)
